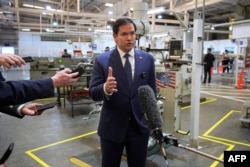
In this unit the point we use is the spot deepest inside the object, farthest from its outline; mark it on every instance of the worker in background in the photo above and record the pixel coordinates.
(225, 62)
(107, 49)
(66, 54)
(231, 60)
(208, 60)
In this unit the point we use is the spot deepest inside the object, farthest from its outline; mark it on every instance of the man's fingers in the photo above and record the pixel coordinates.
(110, 73)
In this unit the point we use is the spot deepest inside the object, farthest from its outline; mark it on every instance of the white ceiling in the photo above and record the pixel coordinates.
(77, 16)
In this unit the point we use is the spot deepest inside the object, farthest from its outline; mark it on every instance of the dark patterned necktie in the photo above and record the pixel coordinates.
(128, 70)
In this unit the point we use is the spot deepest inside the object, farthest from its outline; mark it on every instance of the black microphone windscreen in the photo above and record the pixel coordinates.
(149, 106)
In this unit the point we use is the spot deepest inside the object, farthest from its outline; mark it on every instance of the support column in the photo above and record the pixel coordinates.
(196, 79)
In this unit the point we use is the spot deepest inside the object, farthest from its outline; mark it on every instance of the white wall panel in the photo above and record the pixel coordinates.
(241, 31)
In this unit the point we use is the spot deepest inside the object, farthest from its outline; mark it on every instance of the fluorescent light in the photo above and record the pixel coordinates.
(54, 23)
(108, 26)
(110, 12)
(160, 35)
(156, 10)
(33, 6)
(109, 4)
(159, 16)
(49, 30)
(25, 29)
(60, 30)
(108, 31)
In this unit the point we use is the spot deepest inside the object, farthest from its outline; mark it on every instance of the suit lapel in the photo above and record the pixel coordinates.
(138, 64)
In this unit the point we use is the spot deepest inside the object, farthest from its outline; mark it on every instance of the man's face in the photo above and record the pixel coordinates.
(125, 38)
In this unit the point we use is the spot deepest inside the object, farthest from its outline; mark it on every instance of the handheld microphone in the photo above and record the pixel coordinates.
(149, 106)
(151, 111)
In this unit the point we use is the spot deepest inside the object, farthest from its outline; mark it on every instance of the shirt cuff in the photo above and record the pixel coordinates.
(106, 93)
(19, 109)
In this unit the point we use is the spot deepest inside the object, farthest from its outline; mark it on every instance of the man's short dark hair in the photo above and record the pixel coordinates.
(120, 22)
(209, 49)
(65, 50)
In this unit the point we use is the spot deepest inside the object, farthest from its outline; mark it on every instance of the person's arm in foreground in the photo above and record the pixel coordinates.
(18, 92)
(20, 111)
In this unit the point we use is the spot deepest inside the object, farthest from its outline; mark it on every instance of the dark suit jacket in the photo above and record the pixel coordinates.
(209, 59)
(18, 92)
(115, 110)
(11, 110)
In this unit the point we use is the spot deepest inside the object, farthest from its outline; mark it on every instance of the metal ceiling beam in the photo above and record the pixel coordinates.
(49, 1)
(191, 5)
(65, 13)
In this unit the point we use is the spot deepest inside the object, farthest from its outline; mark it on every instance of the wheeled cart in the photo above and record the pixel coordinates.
(245, 118)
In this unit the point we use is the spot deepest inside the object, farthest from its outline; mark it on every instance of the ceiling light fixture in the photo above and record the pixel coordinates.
(156, 10)
(33, 6)
(159, 16)
(25, 29)
(49, 30)
(107, 31)
(54, 23)
(109, 4)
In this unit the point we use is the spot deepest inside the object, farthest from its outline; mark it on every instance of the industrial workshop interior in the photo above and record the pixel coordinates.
(200, 121)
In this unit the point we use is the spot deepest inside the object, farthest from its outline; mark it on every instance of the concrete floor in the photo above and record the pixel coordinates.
(56, 139)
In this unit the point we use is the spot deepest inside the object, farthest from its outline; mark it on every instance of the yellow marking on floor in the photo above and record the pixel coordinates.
(218, 123)
(206, 134)
(37, 159)
(183, 132)
(41, 162)
(222, 140)
(208, 100)
(230, 147)
(78, 162)
(50, 99)
(229, 141)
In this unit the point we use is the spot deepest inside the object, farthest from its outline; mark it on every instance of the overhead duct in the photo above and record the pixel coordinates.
(140, 18)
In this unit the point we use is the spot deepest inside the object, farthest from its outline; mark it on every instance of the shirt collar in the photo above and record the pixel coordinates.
(131, 52)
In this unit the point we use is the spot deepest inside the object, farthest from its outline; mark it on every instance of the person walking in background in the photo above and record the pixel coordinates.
(225, 64)
(122, 123)
(208, 60)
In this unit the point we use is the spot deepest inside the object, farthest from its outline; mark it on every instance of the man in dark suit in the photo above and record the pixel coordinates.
(122, 123)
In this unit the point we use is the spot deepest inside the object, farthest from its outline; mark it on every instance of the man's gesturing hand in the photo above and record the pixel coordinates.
(110, 85)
